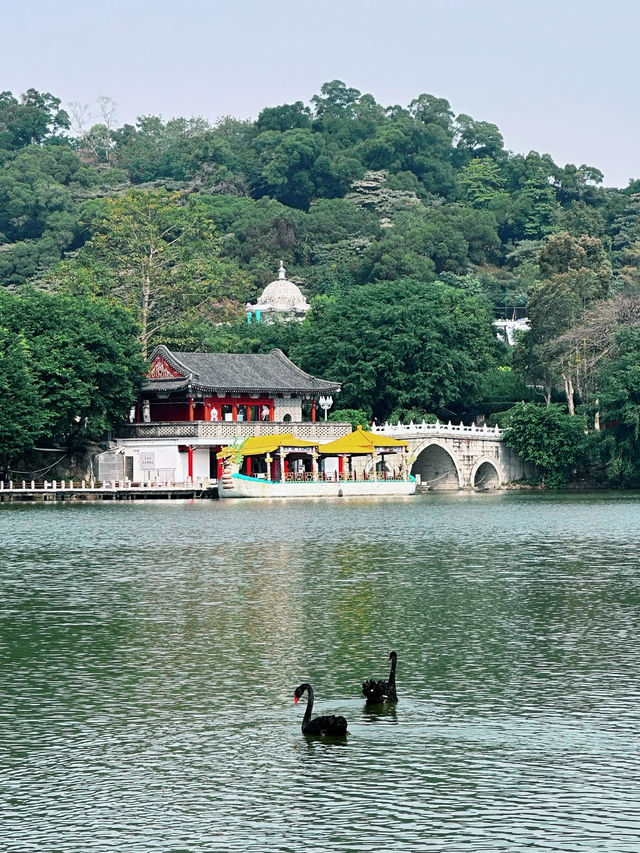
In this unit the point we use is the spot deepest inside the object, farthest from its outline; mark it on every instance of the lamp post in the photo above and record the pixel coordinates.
(326, 403)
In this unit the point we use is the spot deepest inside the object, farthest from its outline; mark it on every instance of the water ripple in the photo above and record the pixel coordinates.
(150, 652)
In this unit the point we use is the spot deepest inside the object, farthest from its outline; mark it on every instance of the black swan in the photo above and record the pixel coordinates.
(330, 725)
(382, 691)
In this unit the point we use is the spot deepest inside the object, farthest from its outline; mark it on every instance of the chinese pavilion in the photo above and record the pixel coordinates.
(193, 404)
(188, 386)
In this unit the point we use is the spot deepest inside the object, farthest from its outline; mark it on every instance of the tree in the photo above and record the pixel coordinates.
(22, 419)
(76, 360)
(286, 117)
(355, 417)
(477, 139)
(402, 344)
(256, 233)
(501, 389)
(574, 183)
(160, 257)
(39, 209)
(482, 184)
(422, 241)
(578, 274)
(590, 343)
(547, 437)
(32, 120)
(619, 392)
(403, 144)
(296, 167)
(436, 111)
(335, 99)
(535, 208)
(95, 141)
(626, 244)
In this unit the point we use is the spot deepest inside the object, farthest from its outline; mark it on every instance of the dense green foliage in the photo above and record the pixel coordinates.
(161, 259)
(408, 227)
(547, 437)
(355, 417)
(398, 344)
(71, 367)
(619, 379)
(22, 421)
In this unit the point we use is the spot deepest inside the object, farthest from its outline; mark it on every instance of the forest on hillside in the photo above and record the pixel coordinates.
(409, 229)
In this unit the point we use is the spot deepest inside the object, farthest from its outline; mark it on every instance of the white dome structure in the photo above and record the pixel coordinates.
(280, 298)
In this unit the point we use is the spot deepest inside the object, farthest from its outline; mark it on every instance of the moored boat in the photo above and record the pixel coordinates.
(241, 486)
(282, 466)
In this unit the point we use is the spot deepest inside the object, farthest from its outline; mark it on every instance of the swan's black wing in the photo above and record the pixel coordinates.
(379, 691)
(329, 725)
(374, 691)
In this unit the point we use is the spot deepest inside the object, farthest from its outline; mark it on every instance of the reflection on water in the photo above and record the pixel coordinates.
(380, 713)
(149, 655)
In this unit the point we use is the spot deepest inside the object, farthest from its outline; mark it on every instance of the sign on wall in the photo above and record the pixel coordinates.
(147, 460)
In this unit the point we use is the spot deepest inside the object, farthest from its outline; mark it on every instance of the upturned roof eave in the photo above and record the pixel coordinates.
(167, 385)
(306, 383)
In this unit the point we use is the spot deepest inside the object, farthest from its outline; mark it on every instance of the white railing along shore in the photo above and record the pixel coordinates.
(93, 486)
(437, 428)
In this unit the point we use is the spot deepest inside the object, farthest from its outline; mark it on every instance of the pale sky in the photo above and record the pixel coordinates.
(555, 77)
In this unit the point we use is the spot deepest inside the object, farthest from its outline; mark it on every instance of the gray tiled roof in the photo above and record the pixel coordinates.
(247, 372)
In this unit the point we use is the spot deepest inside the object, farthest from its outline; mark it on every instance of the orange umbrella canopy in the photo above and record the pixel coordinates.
(361, 441)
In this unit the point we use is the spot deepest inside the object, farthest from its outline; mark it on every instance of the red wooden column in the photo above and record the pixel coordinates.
(313, 411)
(272, 416)
(248, 458)
(234, 411)
(190, 462)
(190, 408)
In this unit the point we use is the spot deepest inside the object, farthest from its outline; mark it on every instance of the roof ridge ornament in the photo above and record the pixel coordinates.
(281, 271)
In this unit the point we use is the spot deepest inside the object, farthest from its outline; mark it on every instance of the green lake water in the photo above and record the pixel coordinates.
(149, 653)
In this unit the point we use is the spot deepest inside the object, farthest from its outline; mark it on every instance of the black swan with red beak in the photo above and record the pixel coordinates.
(330, 725)
(382, 691)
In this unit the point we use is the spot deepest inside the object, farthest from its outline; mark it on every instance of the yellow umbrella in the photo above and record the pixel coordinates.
(258, 444)
(361, 441)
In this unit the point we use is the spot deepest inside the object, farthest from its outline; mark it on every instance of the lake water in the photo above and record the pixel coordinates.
(149, 653)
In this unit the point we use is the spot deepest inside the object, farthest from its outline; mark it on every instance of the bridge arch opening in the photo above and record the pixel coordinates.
(486, 476)
(436, 468)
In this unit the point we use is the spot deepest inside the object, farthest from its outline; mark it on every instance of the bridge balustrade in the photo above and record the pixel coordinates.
(402, 430)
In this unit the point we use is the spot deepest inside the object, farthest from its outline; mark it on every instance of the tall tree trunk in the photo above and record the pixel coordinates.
(568, 390)
(596, 417)
(144, 314)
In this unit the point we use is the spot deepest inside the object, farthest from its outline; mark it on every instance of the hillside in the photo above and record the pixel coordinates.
(393, 219)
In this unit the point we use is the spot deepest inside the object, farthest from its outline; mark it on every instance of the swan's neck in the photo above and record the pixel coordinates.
(392, 674)
(307, 713)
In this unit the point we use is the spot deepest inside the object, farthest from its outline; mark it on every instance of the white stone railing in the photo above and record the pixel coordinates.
(226, 431)
(79, 486)
(405, 430)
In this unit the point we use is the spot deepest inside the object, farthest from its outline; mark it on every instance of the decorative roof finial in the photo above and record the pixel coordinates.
(281, 272)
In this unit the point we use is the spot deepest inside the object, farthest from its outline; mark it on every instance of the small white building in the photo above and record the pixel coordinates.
(281, 298)
(507, 329)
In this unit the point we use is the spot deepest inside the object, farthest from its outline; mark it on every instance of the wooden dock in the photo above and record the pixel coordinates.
(69, 490)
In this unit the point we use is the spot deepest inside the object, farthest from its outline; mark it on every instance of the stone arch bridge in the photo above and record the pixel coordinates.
(449, 456)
